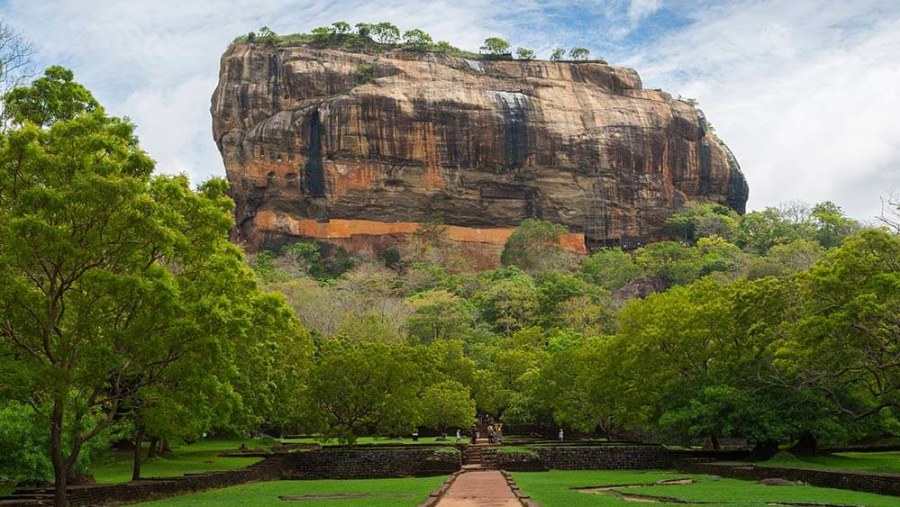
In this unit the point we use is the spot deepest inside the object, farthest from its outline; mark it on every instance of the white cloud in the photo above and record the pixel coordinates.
(640, 9)
(803, 92)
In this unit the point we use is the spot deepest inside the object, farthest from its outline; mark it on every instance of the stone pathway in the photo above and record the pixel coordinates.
(479, 489)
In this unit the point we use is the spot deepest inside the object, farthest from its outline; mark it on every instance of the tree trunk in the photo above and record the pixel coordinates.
(807, 445)
(715, 441)
(763, 450)
(60, 474)
(138, 440)
(164, 447)
(154, 447)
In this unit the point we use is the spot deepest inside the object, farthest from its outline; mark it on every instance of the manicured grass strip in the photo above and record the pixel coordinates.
(555, 489)
(201, 456)
(883, 462)
(451, 439)
(406, 492)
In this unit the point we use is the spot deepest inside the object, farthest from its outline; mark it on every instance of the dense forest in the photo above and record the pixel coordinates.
(126, 314)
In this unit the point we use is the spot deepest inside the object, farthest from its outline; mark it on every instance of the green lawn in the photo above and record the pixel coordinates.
(886, 462)
(201, 456)
(406, 492)
(451, 439)
(555, 489)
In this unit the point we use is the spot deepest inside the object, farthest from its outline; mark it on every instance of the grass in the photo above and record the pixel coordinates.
(6, 489)
(378, 441)
(884, 462)
(378, 492)
(555, 489)
(201, 456)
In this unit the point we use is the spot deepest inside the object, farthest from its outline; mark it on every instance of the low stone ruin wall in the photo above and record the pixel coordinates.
(150, 489)
(585, 458)
(882, 484)
(372, 463)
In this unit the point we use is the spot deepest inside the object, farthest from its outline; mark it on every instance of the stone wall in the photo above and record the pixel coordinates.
(520, 462)
(150, 489)
(604, 457)
(599, 457)
(373, 463)
(882, 484)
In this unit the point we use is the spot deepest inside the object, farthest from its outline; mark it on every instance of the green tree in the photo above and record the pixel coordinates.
(266, 34)
(360, 385)
(579, 53)
(416, 38)
(535, 246)
(323, 34)
(845, 340)
(495, 46)
(51, 98)
(114, 278)
(558, 54)
(341, 27)
(447, 404)
(364, 30)
(439, 314)
(698, 220)
(386, 33)
(509, 303)
(525, 54)
(832, 226)
(611, 268)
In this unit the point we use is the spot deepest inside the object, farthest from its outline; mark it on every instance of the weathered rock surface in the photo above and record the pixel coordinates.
(311, 135)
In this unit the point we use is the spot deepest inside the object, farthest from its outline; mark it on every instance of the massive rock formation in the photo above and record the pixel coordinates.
(330, 144)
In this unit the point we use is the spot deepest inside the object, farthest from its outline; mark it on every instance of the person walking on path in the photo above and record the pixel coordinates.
(490, 434)
(561, 435)
(458, 434)
(498, 433)
(474, 435)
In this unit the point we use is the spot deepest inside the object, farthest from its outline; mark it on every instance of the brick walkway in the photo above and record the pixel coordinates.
(479, 489)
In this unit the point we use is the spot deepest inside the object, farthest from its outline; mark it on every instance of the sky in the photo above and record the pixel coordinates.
(806, 93)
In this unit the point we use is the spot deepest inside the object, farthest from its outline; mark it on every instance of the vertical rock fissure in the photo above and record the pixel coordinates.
(314, 173)
(515, 131)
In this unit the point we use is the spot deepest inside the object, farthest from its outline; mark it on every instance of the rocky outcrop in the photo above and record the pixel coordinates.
(313, 135)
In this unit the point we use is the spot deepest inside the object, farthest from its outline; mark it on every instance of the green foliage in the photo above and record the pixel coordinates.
(341, 27)
(356, 386)
(701, 220)
(385, 33)
(558, 54)
(525, 54)
(122, 290)
(579, 53)
(365, 73)
(611, 268)
(447, 404)
(49, 99)
(535, 246)
(510, 303)
(495, 46)
(439, 314)
(416, 38)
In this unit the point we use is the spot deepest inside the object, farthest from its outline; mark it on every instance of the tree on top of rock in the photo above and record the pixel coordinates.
(416, 38)
(495, 46)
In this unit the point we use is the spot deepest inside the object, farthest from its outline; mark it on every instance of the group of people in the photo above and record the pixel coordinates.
(494, 434)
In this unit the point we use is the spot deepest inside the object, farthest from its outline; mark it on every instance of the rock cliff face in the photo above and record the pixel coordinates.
(329, 144)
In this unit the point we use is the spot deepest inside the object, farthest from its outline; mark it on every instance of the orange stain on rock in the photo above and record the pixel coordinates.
(346, 229)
